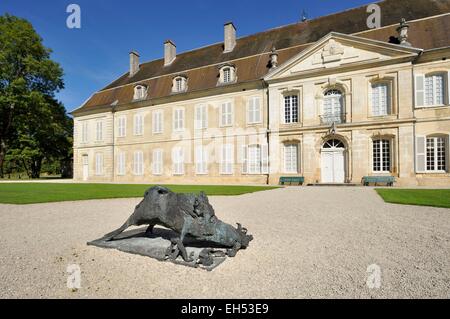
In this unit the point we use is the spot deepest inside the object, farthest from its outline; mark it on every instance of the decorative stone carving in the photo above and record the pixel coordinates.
(273, 58)
(403, 33)
(333, 51)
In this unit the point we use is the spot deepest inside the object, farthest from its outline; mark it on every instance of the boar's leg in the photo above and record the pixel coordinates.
(178, 248)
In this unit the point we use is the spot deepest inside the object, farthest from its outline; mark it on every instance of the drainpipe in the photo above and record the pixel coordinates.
(113, 111)
(266, 95)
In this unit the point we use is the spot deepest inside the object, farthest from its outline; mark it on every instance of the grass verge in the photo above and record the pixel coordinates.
(419, 197)
(32, 193)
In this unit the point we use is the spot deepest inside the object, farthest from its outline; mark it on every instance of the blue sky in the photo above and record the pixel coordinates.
(96, 54)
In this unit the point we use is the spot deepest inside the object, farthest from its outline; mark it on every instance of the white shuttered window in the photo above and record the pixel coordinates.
(138, 163)
(380, 99)
(178, 119)
(226, 114)
(98, 164)
(121, 163)
(138, 124)
(122, 126)
(157, 162)
(254, 110)
(178, 161)
(291, 158)
(157, 121)
(226, 159)
(201, 117)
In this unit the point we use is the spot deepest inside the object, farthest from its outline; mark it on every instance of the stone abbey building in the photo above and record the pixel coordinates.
(329, 99)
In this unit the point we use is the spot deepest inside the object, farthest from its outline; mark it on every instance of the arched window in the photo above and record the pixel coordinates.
(140, 92)
(333, 107)
(333, 143)
(381, 154)
(179, 84)
(227, 74)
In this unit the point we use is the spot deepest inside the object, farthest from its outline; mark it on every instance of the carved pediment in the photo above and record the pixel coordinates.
(339, 50)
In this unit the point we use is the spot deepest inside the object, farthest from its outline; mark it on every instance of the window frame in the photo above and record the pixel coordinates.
(251, 108)
(84, 131)
(122, 126)
(138, 122)
(381, 155)
(225, 79)
(226, 159)
(434, 95)
(389, 97)
(202, 123)
(332, 98)
(436, 156)
(179, 84)
(157, 114)
(177, 121)
(99, 163)
(138, 162)
(258, 160)
(121, 163)
(178, 159)
(229, 114)
(140, 92)
(99, 131)
(291, 96)
(157, 162)
(286, 146)
(201, 164)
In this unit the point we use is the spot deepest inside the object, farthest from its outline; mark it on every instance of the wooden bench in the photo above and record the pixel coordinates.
(388, 180)
(292, 180)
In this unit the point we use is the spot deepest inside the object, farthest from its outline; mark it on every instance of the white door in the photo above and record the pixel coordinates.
(333, 166)
(85, 168)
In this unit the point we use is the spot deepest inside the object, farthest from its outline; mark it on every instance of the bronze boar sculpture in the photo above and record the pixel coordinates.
(190, 216)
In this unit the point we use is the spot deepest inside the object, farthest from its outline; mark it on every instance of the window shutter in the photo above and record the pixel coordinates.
(299, 161)
(258, 117)
(447, 154)
(205, 116)
(448, 89)
(249, 110)
(419, 90)
(198, 118)
(244, 159)
(265, 159)
(421, 158)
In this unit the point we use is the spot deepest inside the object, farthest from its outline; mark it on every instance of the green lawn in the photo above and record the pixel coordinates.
(420, 197)
(30, 193)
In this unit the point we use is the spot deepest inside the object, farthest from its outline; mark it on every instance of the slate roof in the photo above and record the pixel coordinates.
(251, 54)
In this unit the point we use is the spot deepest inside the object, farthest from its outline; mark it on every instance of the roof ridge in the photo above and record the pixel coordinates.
(269, 30)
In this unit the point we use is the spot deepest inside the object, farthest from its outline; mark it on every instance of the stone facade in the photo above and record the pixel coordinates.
(343, 108)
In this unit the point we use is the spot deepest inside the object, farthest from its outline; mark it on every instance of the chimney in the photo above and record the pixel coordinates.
(134, 63)
(170, 52)
(230, 37)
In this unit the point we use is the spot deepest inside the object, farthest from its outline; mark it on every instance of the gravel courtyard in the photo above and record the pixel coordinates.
(309, 242)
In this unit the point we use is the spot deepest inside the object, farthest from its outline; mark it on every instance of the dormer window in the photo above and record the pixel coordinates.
(179, 84)
(140, 92)
(227, 74)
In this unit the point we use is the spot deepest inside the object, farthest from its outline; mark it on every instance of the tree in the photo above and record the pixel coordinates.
(47, 134)
(29, 114)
